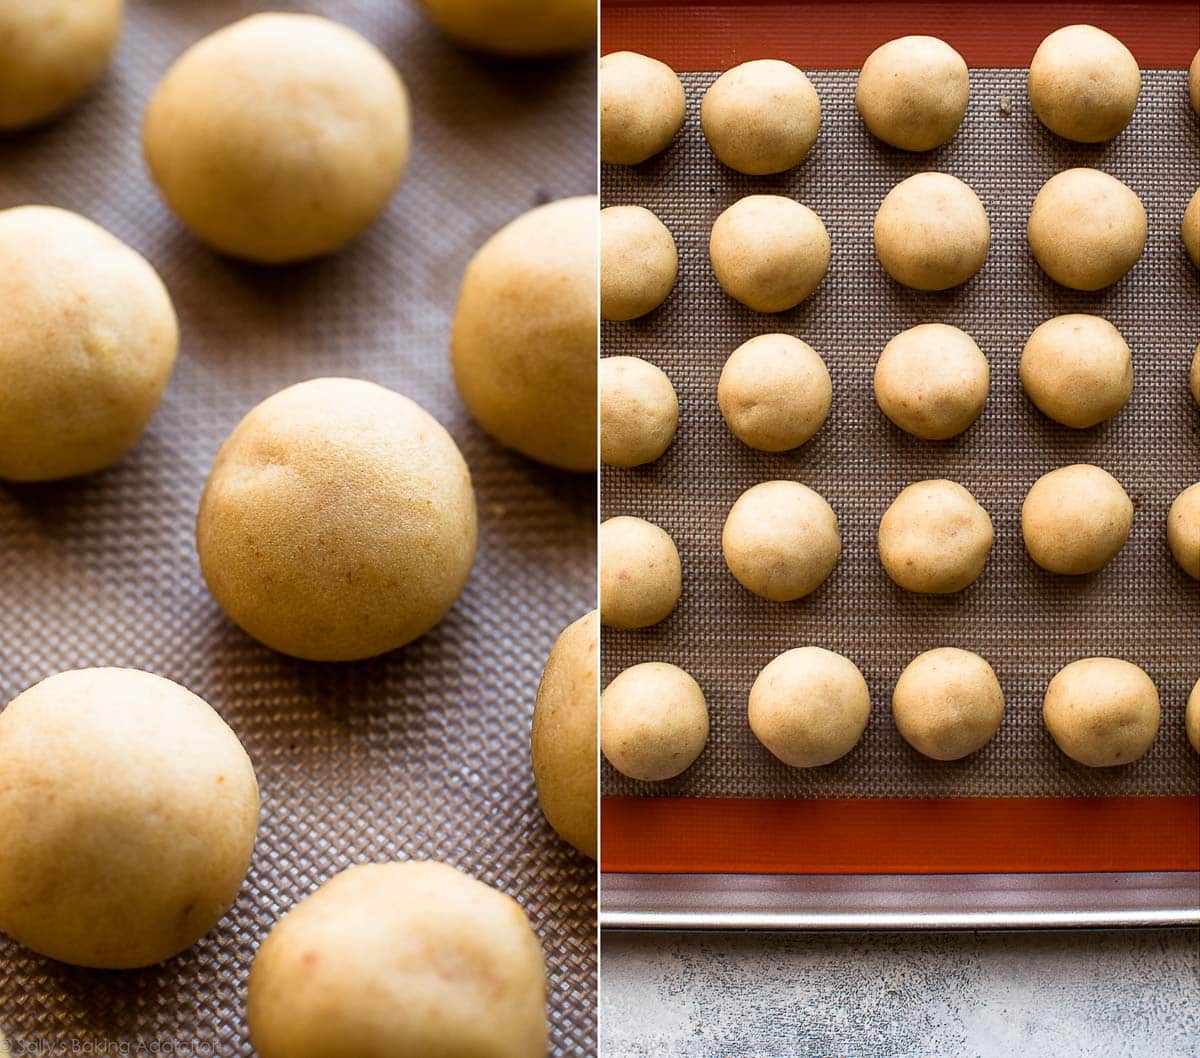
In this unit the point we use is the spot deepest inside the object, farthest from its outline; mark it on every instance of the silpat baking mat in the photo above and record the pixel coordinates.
(421, 753)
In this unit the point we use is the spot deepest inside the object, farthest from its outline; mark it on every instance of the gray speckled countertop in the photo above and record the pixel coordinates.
(1133, 994)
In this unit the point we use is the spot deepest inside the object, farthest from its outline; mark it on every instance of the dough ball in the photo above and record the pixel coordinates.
(912, 92)
(1077, 369)
(774, 392)
(638, 411)
(1183, 530)
(1086, 229)
(1102, 711)
(948, 703)
(781, 540)
(641, 107)
(931, 232)
(278, 138)
(1084, 84)
(563, 740)
(653, 721)
(399, 959)
(128, 810)
(51, 52)
(338, 521)
(1191, 228)
(87, 343)
(516, 28)
(769, 252)
(1194, 378)
(640, 575)
(934, 538)
(1192, 715)
(932, 380)
(761, 117)
(809, 707)
(523, 345)
(638, 262)
(1194, 82)
(1075, 519)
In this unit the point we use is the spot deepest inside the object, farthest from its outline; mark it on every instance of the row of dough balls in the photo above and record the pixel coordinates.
(810, 706)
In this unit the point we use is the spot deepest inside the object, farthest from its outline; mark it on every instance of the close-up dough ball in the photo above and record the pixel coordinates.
(1086, 229)
(781, 540)
(1084, 84)
(88, 339)
(932, 381)
(653, 721)
(1194, 82)
(761, 117)
(1190, 228)
(278, 138)
(640, 574)
(129, 811)
(516, 28)
(563, 737)
(935, 538)
(1075, 519)
(1191, 716)
(912, 92)
(775, 392)
(1194, 375)
(1077, 369)
(948, 703)
(809, 707)
(931, 232)
(641, 107)
(399, 959)
(638, 262)
(1102, 711)
(338, 521)
(51, 52)
(769, 252)
(638, 411)
(1183, 530)
(523, 345)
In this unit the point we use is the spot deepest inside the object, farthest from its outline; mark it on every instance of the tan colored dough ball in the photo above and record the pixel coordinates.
(912, 92)
(638, 262)
(51, 52)
(563, 737)
(638, 411)
(1075, 519)
(1077, 369)
(1102, 711)
(761, 117)
(1190, 229)
(1183, 530)
(1194, 82)
(516, 28)
(400, 959)
(781, 540)
(775, 392)
(1192, 717)
(1194, 377)
(653, 721)
(278, 138)
(88, 339)
(931, 232)
(769, 252)
(129, 811)
(641, 107)
(640, 574)
(1084, 84)
(1086, 229)
(948, 703)
(523, 343)
(932, 381)
(935, 538)
(809, 707)
(338, 521)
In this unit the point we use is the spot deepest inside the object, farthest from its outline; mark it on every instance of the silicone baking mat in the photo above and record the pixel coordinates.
(422, 753)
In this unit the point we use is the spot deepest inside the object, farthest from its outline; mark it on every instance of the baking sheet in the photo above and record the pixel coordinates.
(424, 752)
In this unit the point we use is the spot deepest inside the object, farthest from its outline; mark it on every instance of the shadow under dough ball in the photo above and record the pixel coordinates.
(1077, 369)
(1189, 230)
(88, 338)
(1102, 711)
(935, 538)
(338, 521)
(401, 959)
(642, 106)
(912, 92)
(523, 343)
(278, 138)
(1084, 84)
(639, 411)
(653, 721)
(947, 703)
(516, 28)
(638, 262)
(641, 578)
(1075, 519)
(134, 843)
(1183, 530)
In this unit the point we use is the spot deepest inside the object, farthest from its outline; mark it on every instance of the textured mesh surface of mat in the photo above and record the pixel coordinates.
(422, 753)
(1026, 622)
